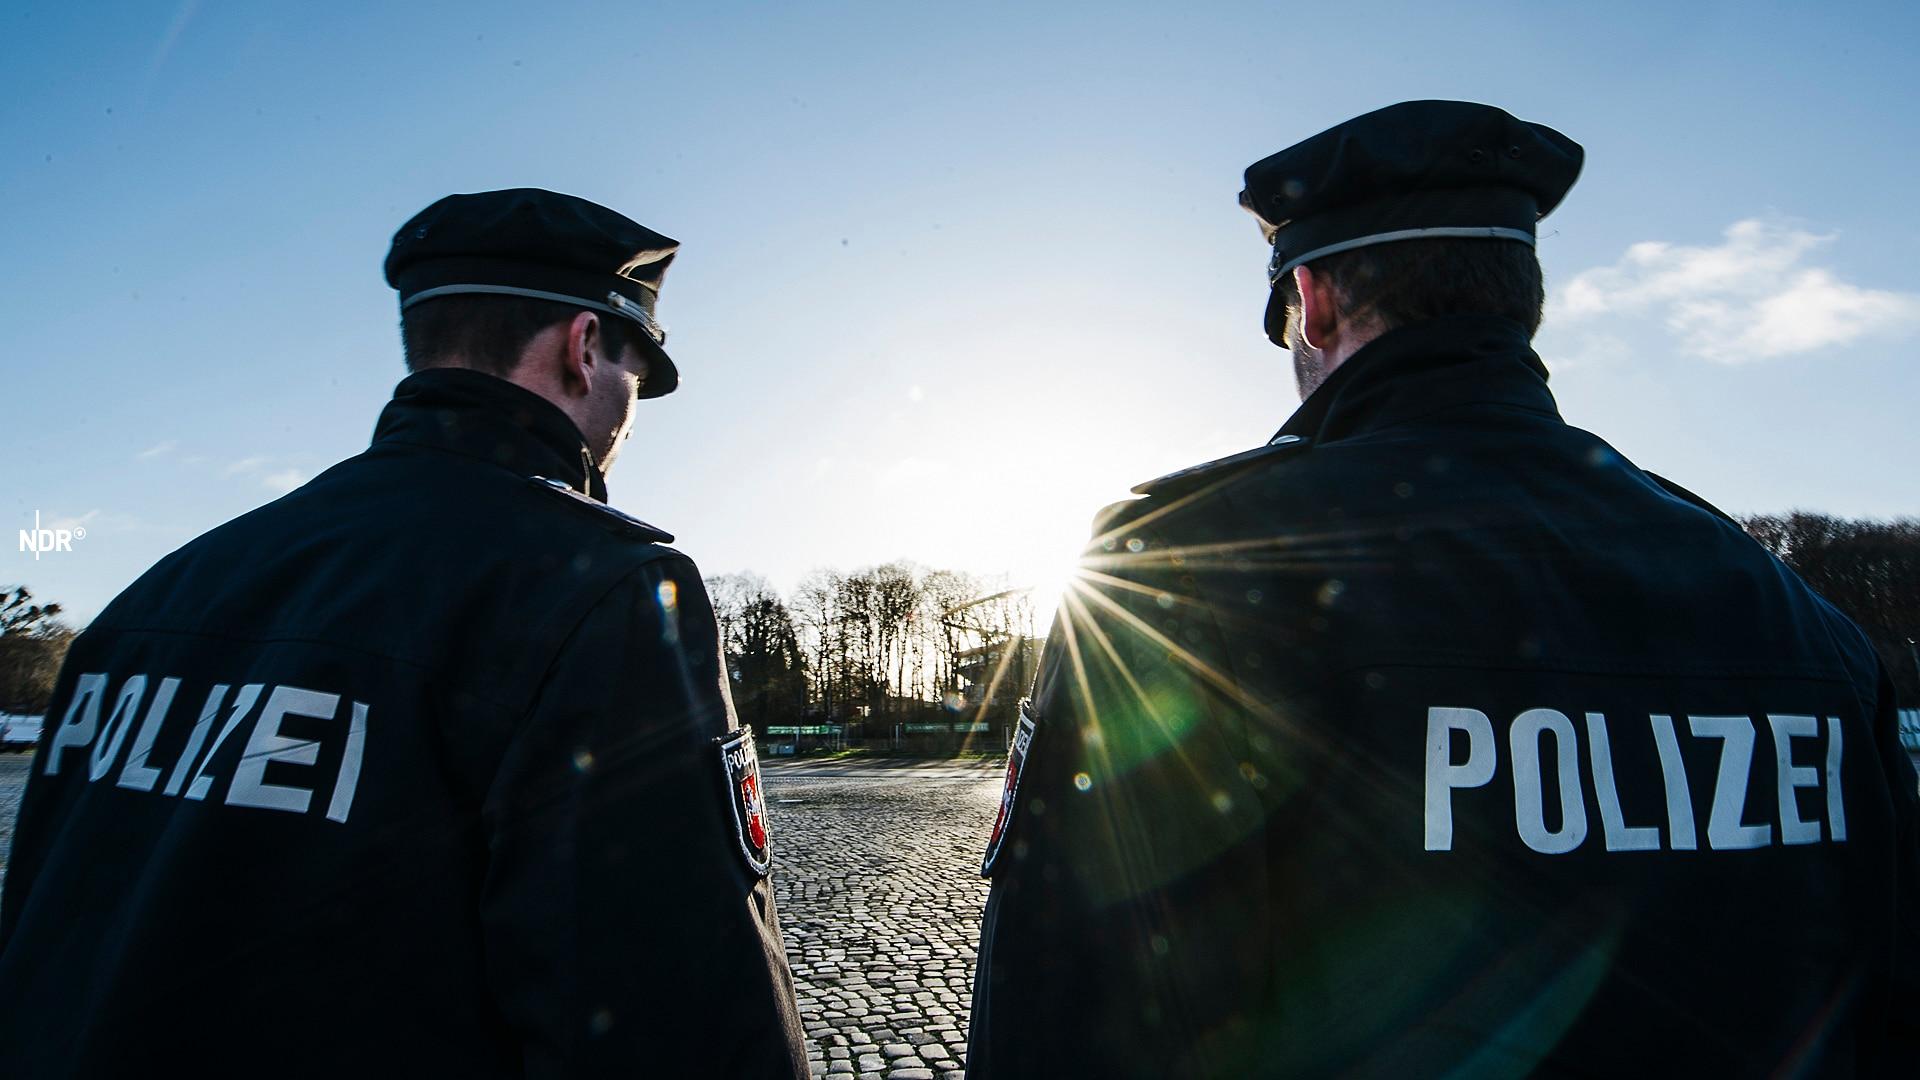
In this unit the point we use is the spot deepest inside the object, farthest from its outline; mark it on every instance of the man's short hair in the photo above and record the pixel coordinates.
(1411, 281)
(488, 333)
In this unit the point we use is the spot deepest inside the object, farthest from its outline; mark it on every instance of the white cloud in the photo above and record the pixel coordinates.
(1582, 350)
(99, 522)
(1747, 298)
(264, 469)
(73, 521)
(283, 481)
(156, 450)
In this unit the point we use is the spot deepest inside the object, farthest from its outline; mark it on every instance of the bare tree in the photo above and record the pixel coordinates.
(942, 592)
(20, 615)
(896, 600)
(1868, 569)
(862, 647)
(816, 606)
(998, 651)
(33, 644)
(888, 644)
(764, 660)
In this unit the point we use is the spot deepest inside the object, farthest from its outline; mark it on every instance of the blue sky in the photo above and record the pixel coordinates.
(952, 276)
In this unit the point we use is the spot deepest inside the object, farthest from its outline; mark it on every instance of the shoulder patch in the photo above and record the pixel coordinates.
(624, 521)
(1010, 790)
(741, 765)
(1184, 480)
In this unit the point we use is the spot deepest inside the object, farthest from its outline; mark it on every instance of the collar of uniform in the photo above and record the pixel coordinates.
(1415, 370)
(472, 413)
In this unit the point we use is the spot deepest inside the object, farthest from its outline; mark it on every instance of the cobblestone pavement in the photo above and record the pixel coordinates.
(13, 785)
(875, 869)
(876, 875)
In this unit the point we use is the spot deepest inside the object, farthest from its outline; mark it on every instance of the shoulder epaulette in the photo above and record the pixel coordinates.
(1175, 483)
(627, 523)
(1684, 495)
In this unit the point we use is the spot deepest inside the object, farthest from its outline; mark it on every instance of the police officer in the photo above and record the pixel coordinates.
(428, 768)
(1434, 737)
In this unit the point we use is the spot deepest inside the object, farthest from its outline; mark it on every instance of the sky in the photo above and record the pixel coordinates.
(952, 277)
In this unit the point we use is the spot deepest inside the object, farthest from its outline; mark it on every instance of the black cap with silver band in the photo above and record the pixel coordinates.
(541, 245)
(1414, 171)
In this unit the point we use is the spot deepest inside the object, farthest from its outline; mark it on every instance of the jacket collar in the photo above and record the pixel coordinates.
(480, 416)
(1416, 370)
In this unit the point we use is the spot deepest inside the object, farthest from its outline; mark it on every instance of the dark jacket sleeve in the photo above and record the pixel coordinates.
(625, 932)
(1118, 920)
(1895, 1054)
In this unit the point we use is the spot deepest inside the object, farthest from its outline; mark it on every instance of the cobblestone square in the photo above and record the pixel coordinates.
(13, 784)
(877, 879)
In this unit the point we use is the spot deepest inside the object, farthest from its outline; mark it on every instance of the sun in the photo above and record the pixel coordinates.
(1048, 582)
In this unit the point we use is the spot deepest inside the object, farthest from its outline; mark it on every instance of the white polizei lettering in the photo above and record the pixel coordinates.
(1786, 728)
(1613, 825)
(82, 719)
(135, 774)
(349, 779)
(242, 702)
(1529, 790)
(249, 787)
(107, 746)
(1680, 831)
(1836, 806)
(1443, 776)
(196, 738)
(81, 727)
(1724, 828)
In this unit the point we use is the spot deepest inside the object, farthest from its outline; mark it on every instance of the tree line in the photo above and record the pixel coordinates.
(898, 643)
(875, 648)
(33, 643)
(1868, 569)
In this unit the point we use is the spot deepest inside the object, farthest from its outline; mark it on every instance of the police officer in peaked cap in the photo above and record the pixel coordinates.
(428, 768)
(1434, 737)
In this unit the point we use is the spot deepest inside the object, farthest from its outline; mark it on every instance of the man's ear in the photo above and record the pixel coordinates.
(584, 348)
(1319, 318)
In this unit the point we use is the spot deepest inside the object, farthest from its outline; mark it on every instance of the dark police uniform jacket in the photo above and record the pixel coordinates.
(425, 769)
(1437, 738)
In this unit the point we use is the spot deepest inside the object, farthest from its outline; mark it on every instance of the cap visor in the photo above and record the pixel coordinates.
(663, 377)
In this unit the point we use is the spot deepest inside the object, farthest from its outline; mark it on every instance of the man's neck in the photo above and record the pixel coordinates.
(1313, 367)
